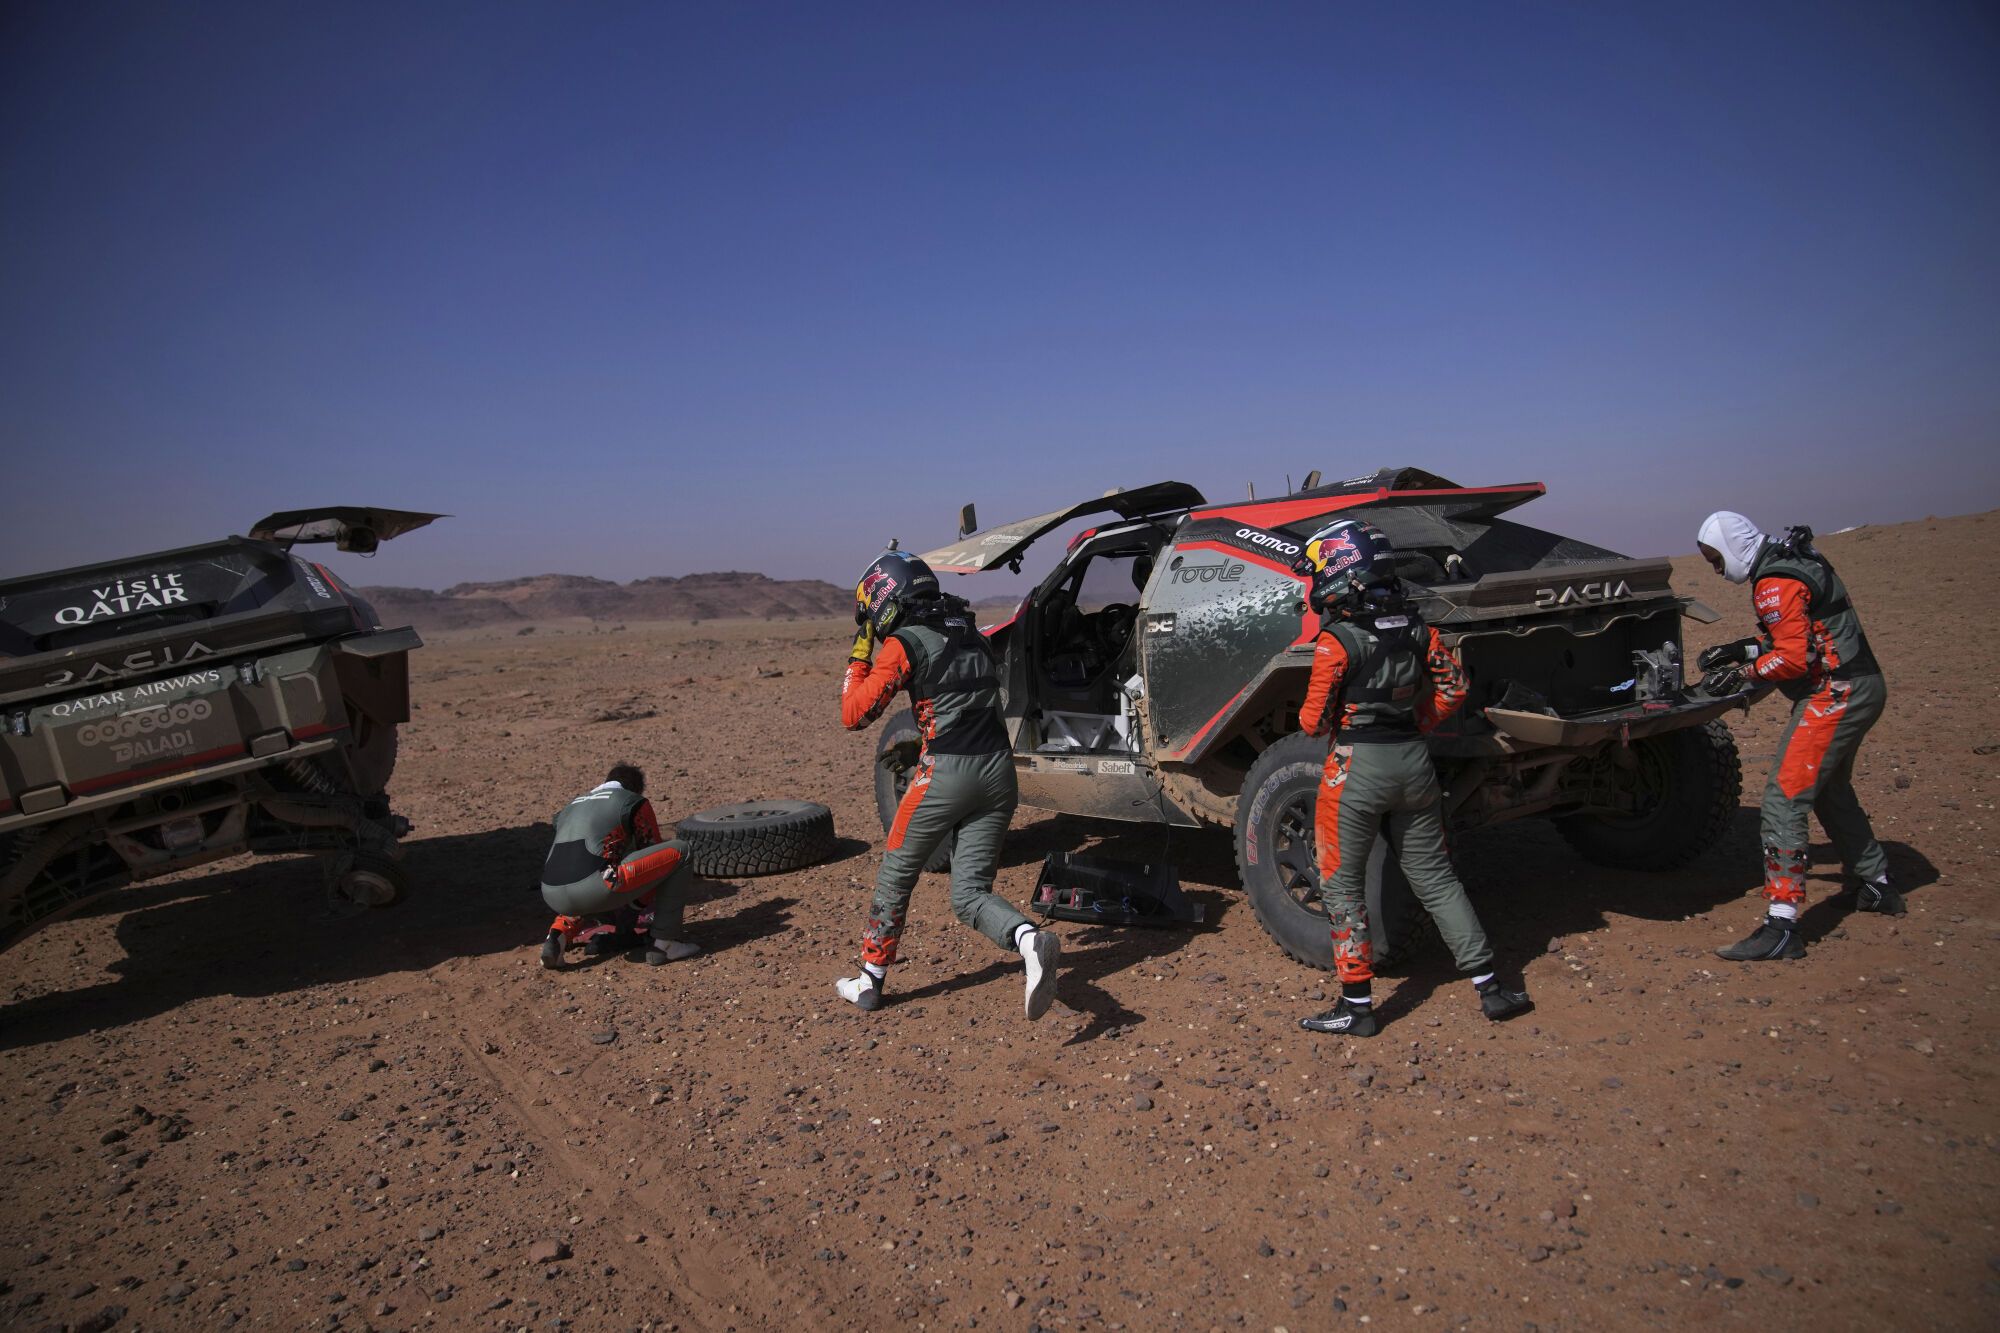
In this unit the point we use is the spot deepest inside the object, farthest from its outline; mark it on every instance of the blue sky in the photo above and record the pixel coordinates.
(655, 289)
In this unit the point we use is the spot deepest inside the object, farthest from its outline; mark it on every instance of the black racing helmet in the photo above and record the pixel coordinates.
(890, 583)
(1351, 568)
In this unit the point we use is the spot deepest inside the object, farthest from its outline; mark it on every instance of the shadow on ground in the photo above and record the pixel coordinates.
(1530, 889)
(265, 929)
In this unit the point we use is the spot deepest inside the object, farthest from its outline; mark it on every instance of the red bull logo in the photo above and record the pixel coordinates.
(876, 584)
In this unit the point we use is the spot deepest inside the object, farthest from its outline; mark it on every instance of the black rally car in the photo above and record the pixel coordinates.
(164, 710)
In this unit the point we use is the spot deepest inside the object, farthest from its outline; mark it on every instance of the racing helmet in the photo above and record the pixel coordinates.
(890, 583)
(1350, 566)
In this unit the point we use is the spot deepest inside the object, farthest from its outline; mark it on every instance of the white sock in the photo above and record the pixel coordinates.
(1360, 1001)
(875, 971)
(1479, 981)
(1785, 911)
(1021, 933)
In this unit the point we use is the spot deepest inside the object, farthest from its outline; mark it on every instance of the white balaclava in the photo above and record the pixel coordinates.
(1737, 538)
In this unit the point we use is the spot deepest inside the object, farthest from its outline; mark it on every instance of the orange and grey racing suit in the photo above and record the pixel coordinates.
(609, 856)
(963, 788)
(1815, 652)
(1379, 683)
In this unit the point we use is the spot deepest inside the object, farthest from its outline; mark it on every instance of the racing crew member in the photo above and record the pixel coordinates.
(915, 638)
(609, 857)
(1813, 650)
(1381, 679)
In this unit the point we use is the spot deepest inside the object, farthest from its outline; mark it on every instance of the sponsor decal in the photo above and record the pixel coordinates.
(146, 659)
(876, 588)
(126, 726)
(312, 578)
(175, 742)
(125, 597)
(1229, 572)
(1270, 541)
(92, 703)
(1160, 624)
(1391, 622)
(1119, 767)
(1065, 765)
(1578, 594)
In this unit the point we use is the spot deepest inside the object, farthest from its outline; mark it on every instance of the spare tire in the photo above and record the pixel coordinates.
(757, 837)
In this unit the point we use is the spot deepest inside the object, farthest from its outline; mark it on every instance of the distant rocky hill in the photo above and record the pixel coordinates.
(722, 596)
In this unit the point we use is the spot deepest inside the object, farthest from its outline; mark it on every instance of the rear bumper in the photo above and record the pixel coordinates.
(90, 751)
(1628, 722)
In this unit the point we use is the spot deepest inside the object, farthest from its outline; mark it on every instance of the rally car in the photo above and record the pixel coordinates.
(161, 711)
(1156, 675)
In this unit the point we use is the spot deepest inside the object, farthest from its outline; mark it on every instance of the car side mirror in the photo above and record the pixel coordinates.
(968, 521)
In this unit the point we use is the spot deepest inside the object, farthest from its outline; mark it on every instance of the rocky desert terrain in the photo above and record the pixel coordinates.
(226, 1108)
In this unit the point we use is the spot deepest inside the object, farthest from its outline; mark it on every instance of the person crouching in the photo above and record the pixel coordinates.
(609, 859)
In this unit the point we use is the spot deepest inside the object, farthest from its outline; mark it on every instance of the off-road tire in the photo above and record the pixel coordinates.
(1276, 860)
(1700, 780)
(901, 729)
(757, 838)
(1187, 789)
(370, 758)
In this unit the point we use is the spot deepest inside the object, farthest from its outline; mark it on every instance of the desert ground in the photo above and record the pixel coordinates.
(226, 1107)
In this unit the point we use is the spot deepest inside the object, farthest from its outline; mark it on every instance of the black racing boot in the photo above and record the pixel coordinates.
(1500, 1004)
(1345, 1019)
(552, 950)
(1878, 896)
(1775, 940)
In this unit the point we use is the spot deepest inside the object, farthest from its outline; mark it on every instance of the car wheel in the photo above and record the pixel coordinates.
(1277, 857)
(1683, 786)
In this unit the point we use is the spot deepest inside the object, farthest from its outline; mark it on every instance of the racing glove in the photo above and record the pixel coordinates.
(1722, 681)
(901, 757)
(1722, 654)
(864, 645)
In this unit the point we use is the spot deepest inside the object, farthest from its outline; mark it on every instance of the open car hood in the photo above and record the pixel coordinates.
(1004, 544)
(350, 527)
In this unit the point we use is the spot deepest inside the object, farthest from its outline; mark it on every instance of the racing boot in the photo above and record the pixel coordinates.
(864, 992)
(1500, 1004)
(660, 951)
(1345, 1019)
(1878, 896)
(1040, 951)
(561, 930)
(552, 950)
(1775, 940)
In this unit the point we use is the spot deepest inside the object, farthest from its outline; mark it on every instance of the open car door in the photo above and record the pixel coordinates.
(1003, 545)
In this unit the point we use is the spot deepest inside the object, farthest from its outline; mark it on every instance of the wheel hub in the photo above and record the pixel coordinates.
(1296, 848)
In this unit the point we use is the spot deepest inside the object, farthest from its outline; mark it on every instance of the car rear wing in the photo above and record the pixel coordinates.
(357, 528)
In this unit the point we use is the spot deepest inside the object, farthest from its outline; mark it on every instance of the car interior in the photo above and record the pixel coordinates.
(1086, 648)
